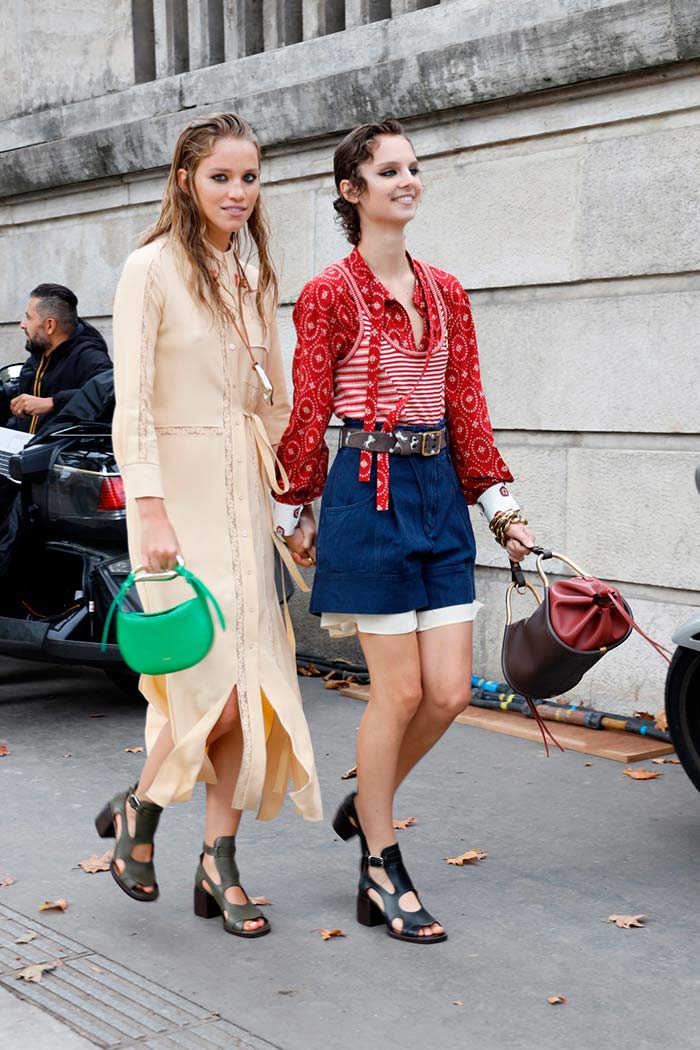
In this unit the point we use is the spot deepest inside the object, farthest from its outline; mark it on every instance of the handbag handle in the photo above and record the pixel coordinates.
(521, 585)
(141, 575)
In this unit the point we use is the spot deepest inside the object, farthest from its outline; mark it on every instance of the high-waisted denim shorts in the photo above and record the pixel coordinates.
(418, 554)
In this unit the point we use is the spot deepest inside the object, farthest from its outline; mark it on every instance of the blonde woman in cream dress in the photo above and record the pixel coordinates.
(194, 439)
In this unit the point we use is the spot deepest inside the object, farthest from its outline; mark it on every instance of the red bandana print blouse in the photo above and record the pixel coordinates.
(327, 325)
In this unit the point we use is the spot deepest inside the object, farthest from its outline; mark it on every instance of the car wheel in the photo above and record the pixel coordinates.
(126, 682)
(683, 709)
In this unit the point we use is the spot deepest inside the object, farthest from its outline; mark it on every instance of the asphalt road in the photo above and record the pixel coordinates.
(569, 843)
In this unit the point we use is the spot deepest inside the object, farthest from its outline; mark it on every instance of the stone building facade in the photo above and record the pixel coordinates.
(559, 143)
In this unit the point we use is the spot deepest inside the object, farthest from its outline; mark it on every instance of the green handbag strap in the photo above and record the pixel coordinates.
(200, 589)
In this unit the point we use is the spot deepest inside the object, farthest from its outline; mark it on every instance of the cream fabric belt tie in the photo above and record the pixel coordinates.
(270, 467)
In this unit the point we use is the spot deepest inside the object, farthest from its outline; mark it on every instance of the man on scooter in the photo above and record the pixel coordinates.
(64, 352)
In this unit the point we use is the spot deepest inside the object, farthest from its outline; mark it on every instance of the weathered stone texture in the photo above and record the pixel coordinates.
(70, 49)
(604, 362)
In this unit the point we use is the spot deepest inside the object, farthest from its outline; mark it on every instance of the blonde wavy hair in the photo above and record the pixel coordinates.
(181, 218)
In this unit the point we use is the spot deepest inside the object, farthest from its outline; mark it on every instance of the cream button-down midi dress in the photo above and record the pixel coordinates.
(191, 427)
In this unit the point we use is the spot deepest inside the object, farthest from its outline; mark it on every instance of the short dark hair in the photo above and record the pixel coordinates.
(59, 302)
(355, 149)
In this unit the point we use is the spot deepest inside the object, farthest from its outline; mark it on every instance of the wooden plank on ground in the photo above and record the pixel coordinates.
(603, 743)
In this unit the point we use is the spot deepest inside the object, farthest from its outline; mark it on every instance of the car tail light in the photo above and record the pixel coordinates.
(111, 494)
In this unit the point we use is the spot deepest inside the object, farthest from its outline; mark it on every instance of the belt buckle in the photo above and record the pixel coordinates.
(435, 449)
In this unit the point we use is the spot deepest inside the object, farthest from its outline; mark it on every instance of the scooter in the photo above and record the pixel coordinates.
(683, 693)
(69, 554)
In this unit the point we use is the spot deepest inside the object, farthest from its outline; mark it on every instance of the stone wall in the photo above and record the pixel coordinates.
(558, 144)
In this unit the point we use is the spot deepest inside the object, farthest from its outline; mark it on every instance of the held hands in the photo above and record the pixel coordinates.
(159, 545)
(27, 405)
(519, 542)
(302, 542)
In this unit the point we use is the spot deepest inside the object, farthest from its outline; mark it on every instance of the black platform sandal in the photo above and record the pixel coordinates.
(209, 904)
(370, 914)
(136, 873)
(346, 823)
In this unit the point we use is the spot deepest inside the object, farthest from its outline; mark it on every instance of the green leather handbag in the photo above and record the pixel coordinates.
(167, 641)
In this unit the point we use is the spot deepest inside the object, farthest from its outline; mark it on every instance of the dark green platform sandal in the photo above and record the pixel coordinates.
(136, 873)
(209, 904)
(370, 914)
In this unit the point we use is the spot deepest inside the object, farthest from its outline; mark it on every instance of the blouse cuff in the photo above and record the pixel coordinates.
(285, 517)
(495, 499)
(142, 479)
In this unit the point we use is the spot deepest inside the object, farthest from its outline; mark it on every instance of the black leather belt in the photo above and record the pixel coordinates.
(399, 442)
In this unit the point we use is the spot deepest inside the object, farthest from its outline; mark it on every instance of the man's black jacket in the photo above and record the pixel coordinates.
(70, 366)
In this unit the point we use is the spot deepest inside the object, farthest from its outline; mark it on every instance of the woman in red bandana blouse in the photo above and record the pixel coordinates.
(387, 344)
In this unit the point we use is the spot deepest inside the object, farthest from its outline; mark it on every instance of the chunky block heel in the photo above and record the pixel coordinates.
(204, 904)
(104, 823)
(346, 822)
(342, 826)
(368, 914)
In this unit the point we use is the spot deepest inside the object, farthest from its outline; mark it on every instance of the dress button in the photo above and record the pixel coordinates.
(231, 346)
(250, 572)
(244, 535)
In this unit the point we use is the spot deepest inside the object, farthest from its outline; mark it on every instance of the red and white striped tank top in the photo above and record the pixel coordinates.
(401, 369)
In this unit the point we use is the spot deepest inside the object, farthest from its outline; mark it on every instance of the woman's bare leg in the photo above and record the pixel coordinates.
(446, 674)
(225, 749)
(393, 662)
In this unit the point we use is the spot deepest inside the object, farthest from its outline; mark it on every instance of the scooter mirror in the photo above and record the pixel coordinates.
(9, 372)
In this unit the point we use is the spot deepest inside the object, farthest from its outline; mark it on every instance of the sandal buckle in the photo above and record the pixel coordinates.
(375, 862)
(134, 802)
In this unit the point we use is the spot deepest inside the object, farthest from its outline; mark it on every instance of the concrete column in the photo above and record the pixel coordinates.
(360, 12)
(282, 23)
(243, 28)
(172, 43)
(321, 17)
(205, 19)
(402, 7)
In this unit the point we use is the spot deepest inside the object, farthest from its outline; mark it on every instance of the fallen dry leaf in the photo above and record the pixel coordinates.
(625, 922)
(641, 774)
(9, 880)
(97, 716)
(94, 863)
(401, 825)
(554, 999)
(335, 683)
(25, 938)
(58, 905)
(260, 900)
(469, 857)
(661, 721)
(458, 1002)
(4, 751)
(303, 671)
(36, 971)
(327, 934)
(68, 755)
(133, 750)
(349, 773)
(646, 715)
(97, 969)
(666, 761)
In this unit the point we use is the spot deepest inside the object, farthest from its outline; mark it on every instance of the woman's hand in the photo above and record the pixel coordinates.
(519, 540)
(302, 542)
(159, 546)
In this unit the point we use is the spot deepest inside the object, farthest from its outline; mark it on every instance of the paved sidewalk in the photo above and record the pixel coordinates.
(569, 844)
